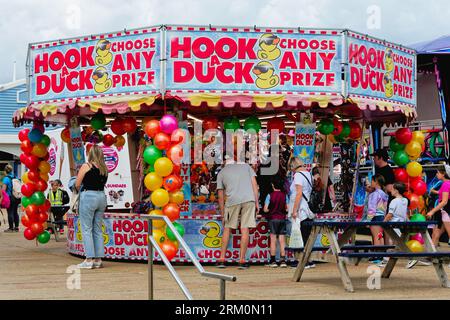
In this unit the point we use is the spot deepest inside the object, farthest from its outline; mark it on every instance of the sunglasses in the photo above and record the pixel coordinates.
(270, 40)
(104, 45)
(98, 74)
(262, 69)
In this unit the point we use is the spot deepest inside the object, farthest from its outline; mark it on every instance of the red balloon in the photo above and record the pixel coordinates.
(178, 136)
(162, 141)
(176, 169)
(42, 209)
(169, 249)
(152, 128)
(419, 187)
(32, 211)
(32, 162)
(129, 125)
(26, 146)
(338, 127)
(117, 127)
(23, 134)
(175, 153)
(403, 135)
(29, 234)
(401, 175)
(172, 182)
(414, 201)
(41, 185)
(26, 221)
(275, 124)
(65, 135)
(23, 158)
(42, 217)
(108, 140)
(47, 205)
(28, 189)
(210, 122)
(355, 130)
(33, 175)
(171, 211)
(37, 228)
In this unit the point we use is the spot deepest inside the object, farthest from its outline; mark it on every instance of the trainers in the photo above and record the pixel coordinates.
(382, 264)
(273, 265)
(425, 263)
(98, 265)
(16, 229)
(294, 264)
(283, 264)
(9, 230)
(220, 264)
(411, 263)
(243, 265)
(85, 265)
(310, 265)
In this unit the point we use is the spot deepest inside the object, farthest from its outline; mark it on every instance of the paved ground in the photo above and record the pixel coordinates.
(30, 272)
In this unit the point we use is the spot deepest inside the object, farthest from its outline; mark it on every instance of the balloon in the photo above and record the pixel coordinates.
(108, 140)
(159, 236)
(157, 223)
(44, 167)
(180, 229)
(28, 189)
(32, 162)
(29, 234)
(395, 146)
(172, 211)
(175, 153)
(117, 127)
(37, 228)
(120, 141)
(33, 175)
(41, 185)
(231, 123)
(252, 123)
(24, 178)
(413, 201)
(45, 140)
(176, 197)
(176, 169)
(98, 121)
(338, 127)
(345, 131)
(151, 154)
(419, 187)
(178, 136)
(44, 176)
(42, 217)
(275, 124)
(152, 128)
(355, 130)
(421, 203)
(25, 201)
(38, 198)
(96, 137)
(129, 125)
(161, 141)
(26, 146)
(419, 137)
(325, 126)
(39, 126)
(23, 134)
(152, 181)
(39, 150)
(414, 246)
(418, 218)
(413, 148)
(401, 175)
(414, 169)
(163, 166)
(403, 135)
(160, 197)
(210, 122)
(418, 237)
(401, 158)
(169, 249)
(35, 135)
(44, 237)
(32, 211)
(168, 123)
(65, 135)
(26, 222)
(172, 183)
(47, 205)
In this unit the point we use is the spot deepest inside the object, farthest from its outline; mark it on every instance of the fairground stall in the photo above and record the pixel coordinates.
(133, 92)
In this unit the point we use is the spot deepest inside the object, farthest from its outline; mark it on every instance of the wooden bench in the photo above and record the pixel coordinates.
(398, 255)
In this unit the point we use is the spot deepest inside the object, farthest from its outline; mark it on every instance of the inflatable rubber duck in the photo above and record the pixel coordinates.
(102, 83)
(304, 154)
(388, 88)
(105, 234)
(269, 47)
(211, 232)
(79, 234)
(103, 57)
(265, 73)
(389, 60)
(324, 241)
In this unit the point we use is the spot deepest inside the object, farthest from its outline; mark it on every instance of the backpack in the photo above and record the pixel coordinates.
(16, 188)
(315, 201)
(6, 202)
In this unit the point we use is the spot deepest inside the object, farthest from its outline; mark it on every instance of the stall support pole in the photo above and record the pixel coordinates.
(222, 289)
(150, 261)
(358, 165)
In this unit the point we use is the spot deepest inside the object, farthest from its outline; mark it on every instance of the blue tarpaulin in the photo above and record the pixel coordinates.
(440, 45)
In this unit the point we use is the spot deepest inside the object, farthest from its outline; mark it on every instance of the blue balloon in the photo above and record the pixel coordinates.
(35, 135)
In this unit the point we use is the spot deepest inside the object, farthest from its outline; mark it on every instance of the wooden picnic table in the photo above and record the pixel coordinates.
(401, 250)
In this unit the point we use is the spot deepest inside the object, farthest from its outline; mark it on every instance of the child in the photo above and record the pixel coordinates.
(398, 208)
(376, 208)
(276, 207)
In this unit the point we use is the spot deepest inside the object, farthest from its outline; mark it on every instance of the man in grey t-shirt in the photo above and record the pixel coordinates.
(237, 181)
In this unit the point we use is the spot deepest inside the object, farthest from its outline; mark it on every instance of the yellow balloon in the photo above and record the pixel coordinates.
(160, 197)
(158, 224)
(44, 167)
(176, 197)
(413, 149)
(25, 178)
(120, 141)
(44, 176)
(159, 235)
(419, 137)
(163, 166)
(414, 246)
(414, 169)
(152, 181)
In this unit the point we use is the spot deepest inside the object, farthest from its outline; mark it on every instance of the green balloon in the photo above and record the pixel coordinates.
(345, 130)
(38, 198)
(418, 218)
(231, 123)
(178, 227)
(44, 237)
(25, 201)
(395, 146)
(151, 154)
(401, 158)
(151, 168)
(326, 127)
(45, 140)
(252, 123)
(98, 121)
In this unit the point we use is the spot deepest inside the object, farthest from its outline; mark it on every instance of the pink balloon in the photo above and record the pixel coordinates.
(418, 237)
(168, 123)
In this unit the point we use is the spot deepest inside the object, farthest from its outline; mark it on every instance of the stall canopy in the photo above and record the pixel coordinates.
(440, 45)
(224, 68)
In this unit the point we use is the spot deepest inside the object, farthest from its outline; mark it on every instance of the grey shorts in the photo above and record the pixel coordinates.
(244, 212)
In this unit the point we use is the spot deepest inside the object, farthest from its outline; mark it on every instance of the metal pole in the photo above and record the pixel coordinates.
(222, 289)
(150, 260)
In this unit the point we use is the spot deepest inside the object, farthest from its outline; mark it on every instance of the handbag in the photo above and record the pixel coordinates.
(295, 238)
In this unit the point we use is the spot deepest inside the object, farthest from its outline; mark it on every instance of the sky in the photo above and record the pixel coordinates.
(27, 21)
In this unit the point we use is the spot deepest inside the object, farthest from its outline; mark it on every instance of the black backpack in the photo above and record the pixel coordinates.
(315, 201)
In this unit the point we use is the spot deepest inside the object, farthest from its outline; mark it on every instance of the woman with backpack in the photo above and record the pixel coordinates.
(13, 216)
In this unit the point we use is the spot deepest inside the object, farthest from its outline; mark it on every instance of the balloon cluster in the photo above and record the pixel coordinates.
(34, 145)
(163, 179)
(339, 131)
(251, 123)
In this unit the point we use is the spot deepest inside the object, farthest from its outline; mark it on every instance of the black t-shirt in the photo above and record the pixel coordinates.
(387, 172)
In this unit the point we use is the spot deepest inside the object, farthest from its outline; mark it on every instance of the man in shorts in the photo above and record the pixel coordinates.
(237, 182)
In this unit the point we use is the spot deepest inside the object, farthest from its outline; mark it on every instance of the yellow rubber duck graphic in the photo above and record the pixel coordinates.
(79, 234)
(103, 57)
(304, 154)
(265, 73)
(105, 234)
(389, 60)
(269, 47)
(211, 232)
(102, 83)
(388, 87)
(324, 241)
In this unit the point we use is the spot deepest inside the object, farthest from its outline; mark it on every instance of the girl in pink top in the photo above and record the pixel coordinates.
(442, 174)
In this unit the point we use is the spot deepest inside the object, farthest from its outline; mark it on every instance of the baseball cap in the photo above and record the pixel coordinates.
(381, 153)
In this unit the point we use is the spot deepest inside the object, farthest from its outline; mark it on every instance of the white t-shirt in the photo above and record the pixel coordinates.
(399, 209)
(301, 179)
